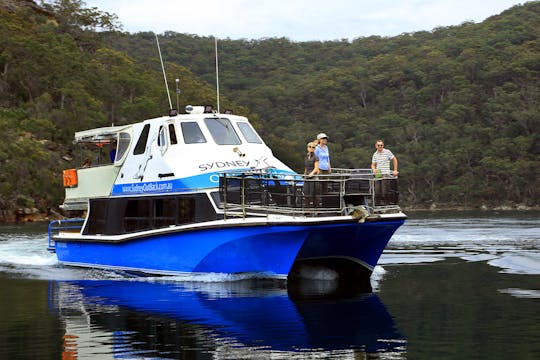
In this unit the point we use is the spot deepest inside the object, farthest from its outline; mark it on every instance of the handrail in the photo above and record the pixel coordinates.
(56, 226)
(266, 191)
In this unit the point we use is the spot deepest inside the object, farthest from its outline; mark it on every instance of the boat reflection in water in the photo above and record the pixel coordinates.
(238, 319)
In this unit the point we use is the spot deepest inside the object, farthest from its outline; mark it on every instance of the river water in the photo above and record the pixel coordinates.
(450, 285)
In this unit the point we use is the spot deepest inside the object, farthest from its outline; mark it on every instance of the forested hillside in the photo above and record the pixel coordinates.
(459, 106)
(57, 76)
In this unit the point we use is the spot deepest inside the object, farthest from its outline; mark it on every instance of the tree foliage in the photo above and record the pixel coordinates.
(458, 105)
(57, 76)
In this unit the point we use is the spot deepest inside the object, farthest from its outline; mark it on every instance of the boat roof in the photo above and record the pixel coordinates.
(99, 135)
(105, 135)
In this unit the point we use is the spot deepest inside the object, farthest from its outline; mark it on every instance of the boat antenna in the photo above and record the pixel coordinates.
(217, 74)
(171, 110)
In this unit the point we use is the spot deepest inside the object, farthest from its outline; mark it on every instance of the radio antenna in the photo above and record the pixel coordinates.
(217, 74)
(164, 76)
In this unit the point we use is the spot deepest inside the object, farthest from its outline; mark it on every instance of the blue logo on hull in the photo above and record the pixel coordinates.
(191, 183)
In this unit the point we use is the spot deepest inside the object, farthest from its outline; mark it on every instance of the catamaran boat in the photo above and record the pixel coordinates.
(201, 192)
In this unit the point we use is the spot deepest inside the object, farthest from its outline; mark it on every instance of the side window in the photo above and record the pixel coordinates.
(249, 134)
(161, 137)
(141, 143)
(97, 222)
(172, 134)
(137, 215)
(222, 131)
(164, 212)
(192, 133)
(186, 210)
(123, 144)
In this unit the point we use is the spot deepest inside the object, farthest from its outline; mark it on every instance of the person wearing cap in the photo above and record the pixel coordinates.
(323, 153)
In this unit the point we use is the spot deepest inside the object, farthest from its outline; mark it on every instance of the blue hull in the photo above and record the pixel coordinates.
(222, 250)
(269, 249)
(362, 243)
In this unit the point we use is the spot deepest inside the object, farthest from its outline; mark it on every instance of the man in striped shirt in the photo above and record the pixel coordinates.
(381, 160)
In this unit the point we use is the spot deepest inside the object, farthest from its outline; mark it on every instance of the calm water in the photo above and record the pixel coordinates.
(449, 286)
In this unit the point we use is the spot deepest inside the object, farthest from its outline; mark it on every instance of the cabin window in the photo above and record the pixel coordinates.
(141, 143)
(192, 133)
(161, 137)
(98, 217)
(124, 139)
(222, 131)
(172, 134)
(137, 215)
(186, 210)
(154, 213)
(164, 212)
(128, 215)
(249, 134)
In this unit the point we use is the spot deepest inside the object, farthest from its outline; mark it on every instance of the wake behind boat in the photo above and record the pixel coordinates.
(201, 192)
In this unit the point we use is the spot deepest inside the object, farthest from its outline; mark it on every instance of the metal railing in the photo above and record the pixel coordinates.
(57, 226)
(340, 193)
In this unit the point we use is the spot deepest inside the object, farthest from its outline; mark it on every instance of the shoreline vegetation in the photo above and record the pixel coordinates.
(458, 105)
(30, 215)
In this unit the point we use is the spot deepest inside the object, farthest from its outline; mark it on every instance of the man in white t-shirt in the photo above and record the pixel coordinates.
(381, 160)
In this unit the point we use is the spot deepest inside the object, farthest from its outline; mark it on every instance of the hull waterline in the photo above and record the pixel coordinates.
(270, 249)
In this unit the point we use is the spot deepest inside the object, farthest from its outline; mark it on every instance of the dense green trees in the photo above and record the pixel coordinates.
(57, 77)
(458, 105)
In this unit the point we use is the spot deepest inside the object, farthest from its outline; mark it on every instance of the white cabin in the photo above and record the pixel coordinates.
(169, 154)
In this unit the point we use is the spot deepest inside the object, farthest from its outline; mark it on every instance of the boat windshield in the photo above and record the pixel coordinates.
(222, 131)
(192, 133)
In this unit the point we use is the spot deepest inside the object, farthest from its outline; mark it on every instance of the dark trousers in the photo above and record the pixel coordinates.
(386, 191)
(311, 192)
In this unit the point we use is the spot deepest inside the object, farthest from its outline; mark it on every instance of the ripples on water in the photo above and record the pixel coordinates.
(508, 243)
(511, 244)
(107, 313)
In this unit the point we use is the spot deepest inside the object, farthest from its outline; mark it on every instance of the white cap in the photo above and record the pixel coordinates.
(321, 135)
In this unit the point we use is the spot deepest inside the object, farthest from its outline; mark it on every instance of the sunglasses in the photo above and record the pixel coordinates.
(311, 147)
(380, 145)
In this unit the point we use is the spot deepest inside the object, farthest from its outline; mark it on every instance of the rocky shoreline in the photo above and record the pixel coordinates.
(504, 207)
(27, 215)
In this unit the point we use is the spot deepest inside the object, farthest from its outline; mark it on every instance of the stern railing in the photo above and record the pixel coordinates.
(343, 192)
(66, 225)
